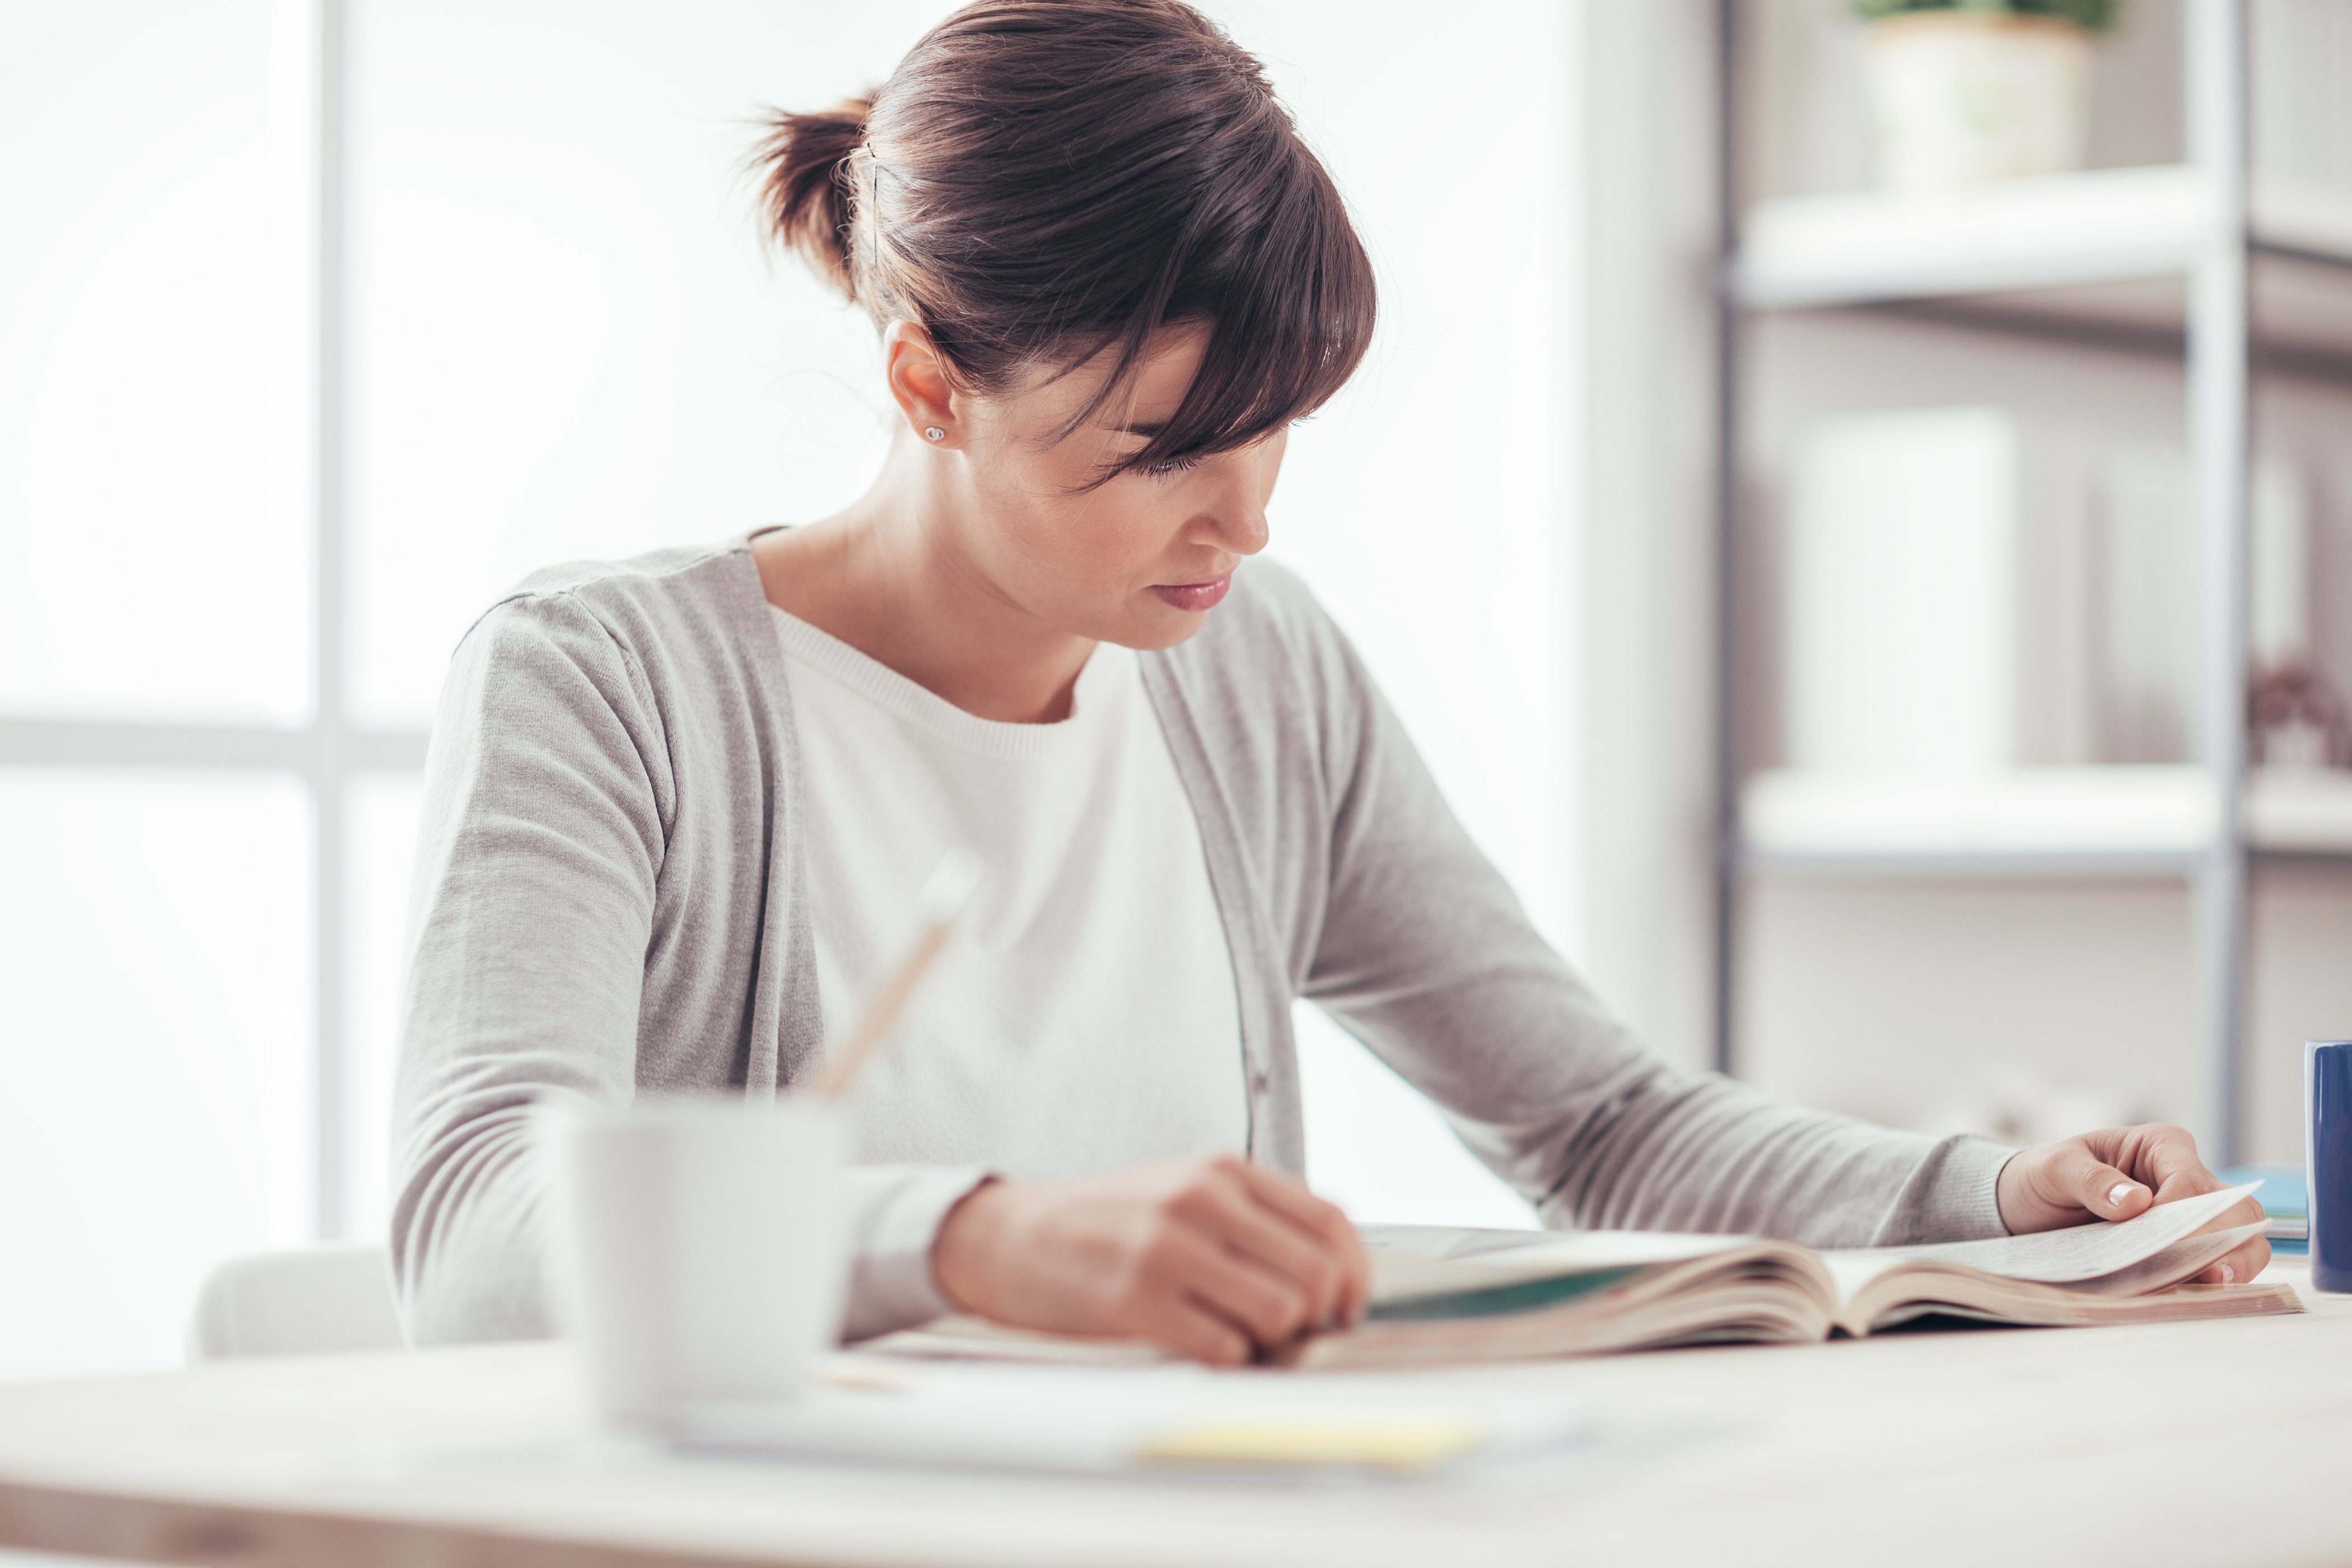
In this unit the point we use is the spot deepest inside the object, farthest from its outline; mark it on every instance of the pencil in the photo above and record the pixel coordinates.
(944, 895)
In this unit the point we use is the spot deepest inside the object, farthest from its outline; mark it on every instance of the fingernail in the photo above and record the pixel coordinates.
(2228, 1274)
(2118, 1193)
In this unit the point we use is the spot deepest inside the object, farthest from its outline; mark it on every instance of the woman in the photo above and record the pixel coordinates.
(678, 806)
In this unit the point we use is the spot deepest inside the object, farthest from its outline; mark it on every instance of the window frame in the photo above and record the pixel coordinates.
(327, 751)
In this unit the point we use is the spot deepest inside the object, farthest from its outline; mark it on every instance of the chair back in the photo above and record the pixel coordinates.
(317, 1301)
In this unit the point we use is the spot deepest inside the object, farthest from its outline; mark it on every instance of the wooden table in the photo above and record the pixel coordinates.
(2201, 1444)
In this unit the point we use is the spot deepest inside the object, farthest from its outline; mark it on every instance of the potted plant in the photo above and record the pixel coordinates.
(1964, 90)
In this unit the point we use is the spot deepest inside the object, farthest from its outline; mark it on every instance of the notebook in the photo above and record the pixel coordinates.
(2283, 1205)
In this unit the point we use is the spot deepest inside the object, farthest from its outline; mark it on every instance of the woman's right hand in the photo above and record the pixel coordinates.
(1215, 1257)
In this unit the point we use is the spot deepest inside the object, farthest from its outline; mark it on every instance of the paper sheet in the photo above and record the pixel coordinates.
(1105, 1420)
(2189, 1256)
(2054, 1257)
(1411, 1261)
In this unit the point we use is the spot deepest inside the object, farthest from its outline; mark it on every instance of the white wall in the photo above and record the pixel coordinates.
(1645, 462)
(566, 337)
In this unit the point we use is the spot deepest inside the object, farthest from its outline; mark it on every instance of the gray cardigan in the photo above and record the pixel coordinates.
(611, 898)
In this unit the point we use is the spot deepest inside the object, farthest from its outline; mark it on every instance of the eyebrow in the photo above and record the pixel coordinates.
(1148, 430)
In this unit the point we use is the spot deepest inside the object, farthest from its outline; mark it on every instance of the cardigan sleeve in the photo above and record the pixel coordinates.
(1426, 956)
(540, 847)
(548, 799)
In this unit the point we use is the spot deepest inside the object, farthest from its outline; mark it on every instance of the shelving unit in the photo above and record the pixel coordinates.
(2196, 258)
(2106, 821)
(2105, 254)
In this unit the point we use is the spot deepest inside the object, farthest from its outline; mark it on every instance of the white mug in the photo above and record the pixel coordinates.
(701, 1249)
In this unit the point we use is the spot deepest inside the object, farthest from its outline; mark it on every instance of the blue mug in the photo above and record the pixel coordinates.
(2328, 1160)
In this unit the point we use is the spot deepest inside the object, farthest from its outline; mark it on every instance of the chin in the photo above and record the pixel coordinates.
(1161, 628)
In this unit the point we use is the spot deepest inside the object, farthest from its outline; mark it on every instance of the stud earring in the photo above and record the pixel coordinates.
(933, 433)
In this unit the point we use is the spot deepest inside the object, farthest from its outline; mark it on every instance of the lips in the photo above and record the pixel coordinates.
(1194, 595)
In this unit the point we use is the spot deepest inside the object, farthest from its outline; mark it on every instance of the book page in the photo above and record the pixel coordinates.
(2191, 1255)
(2052, 1257)
(1411, 1261)
(957, 1337)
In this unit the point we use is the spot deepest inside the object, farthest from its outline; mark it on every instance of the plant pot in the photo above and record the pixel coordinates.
(1960, 97)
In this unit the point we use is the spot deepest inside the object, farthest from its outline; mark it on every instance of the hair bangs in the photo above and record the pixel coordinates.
(1276, 272)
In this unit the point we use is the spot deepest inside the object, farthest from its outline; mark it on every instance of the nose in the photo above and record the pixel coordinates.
(1242, 530)
(1235, 510)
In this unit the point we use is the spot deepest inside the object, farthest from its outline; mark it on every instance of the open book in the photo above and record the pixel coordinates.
(1444, 1294)
(1455, 1295)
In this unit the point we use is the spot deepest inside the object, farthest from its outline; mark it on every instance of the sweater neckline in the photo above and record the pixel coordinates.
(1107, 669)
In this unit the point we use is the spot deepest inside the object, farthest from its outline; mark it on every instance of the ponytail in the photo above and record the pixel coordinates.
(809, 186)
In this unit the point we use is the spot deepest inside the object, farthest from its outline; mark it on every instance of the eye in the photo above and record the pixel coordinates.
(1172, 466)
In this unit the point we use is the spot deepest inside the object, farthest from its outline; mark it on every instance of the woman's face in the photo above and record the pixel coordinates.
(1139, 560)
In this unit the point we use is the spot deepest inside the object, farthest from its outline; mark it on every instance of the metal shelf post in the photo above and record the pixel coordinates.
(2215, 50)
(1724, 846)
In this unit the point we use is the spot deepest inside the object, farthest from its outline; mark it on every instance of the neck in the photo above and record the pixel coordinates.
(891, 575)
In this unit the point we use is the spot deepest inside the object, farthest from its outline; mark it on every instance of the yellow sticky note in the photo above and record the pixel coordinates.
(1394, 1444)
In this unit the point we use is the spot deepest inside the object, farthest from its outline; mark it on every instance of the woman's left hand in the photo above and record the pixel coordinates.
(2115, 1174)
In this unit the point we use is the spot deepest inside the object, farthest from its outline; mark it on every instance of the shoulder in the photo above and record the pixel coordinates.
(658, 590)
(640, 670)
(686, 603)
(673, 641)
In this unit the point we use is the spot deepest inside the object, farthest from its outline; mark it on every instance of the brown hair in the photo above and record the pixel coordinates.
(1041, 180)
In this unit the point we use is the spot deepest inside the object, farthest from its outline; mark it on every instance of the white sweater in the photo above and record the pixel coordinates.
(1083, 1019)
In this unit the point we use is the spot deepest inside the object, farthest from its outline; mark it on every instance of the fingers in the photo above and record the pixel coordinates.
(1212, 1257)
(1324, 1222)
(2167, 1156)
(2076, 1175)
(1281, 1247)
(1190, 1329)
(2163, 1156)
(1268, 1307)
(2245, 1211)
(2241, 1265)
(1255, 1252)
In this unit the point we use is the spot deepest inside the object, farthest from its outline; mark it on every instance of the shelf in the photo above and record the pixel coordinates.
(2058, 822)
(1862, 246)
(2103, 253)
(2300, 811)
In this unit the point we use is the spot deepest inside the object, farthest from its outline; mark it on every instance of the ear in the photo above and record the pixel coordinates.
(916, 374)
